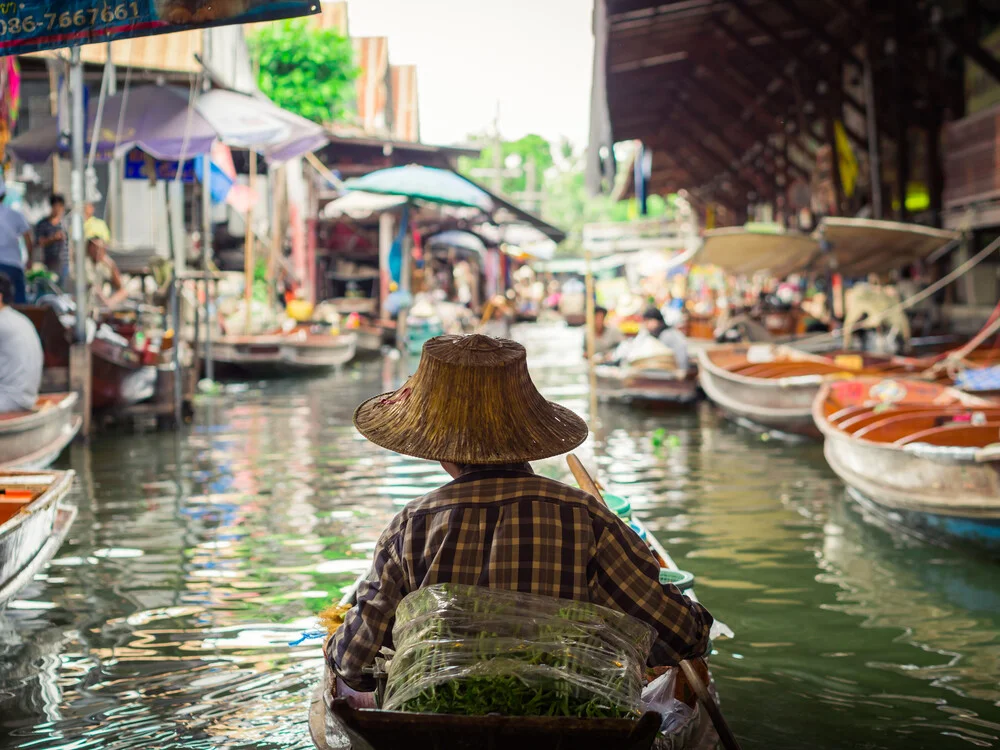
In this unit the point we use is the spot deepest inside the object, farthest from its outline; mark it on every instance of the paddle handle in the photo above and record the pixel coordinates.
(583, 479)
(729, 740)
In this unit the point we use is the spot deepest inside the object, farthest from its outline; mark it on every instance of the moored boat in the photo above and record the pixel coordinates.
(34, 439)
(274, 354)
(774, 386)
(646, 385)
(34, 520)
(921, 455)
(351, 720)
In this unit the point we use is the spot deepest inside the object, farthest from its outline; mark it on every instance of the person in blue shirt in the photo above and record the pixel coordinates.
(13, 228)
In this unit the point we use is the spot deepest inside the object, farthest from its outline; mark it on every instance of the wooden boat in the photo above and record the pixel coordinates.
(919, 454)
(34, 520)
(646, 385)
(270, 354)
(119, 376)
(369, 340)
(338, 722)
(774, 386)
(34, 439)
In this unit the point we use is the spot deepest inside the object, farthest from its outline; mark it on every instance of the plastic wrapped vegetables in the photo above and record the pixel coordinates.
(476, 651)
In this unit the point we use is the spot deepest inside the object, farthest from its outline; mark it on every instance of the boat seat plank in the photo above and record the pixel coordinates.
(863, 425)
(959, 435)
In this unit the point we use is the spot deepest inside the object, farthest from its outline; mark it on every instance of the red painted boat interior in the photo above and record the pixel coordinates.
(918, 412)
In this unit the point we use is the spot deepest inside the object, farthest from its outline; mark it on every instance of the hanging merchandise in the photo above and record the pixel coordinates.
(396, 253)
(51, 24)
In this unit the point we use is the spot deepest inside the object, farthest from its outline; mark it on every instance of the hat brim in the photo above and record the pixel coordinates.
(554, 437)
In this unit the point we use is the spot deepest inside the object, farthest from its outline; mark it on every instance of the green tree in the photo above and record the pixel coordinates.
(304, 69)
(531, 148)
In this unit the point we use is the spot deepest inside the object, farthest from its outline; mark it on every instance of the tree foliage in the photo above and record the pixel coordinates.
(531, 148)
(304, 69)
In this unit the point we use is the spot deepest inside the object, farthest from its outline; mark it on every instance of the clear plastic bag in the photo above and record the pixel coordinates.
(475, 651)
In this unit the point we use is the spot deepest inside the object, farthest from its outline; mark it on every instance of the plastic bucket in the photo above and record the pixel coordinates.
(680, 578)
(619, 506)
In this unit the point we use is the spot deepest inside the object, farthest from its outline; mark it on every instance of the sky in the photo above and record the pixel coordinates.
(534, 57)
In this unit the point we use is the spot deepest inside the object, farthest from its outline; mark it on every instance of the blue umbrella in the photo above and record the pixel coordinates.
(426, 184)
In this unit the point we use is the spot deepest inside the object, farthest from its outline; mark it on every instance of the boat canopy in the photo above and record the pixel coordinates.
(743, 251)
(854, 247)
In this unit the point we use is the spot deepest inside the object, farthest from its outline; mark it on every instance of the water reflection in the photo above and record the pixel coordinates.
(196, 559)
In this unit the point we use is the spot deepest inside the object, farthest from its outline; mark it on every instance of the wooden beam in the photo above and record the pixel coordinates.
(901, 123)
(777, 72)
(819, 31)
(971, 49)
(796, 54)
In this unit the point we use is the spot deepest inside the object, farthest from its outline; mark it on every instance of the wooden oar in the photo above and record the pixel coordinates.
(729, 741)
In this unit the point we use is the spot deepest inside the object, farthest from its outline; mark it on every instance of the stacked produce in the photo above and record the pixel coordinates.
(475, 651)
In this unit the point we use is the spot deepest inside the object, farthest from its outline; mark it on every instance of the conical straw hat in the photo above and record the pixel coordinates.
(471, 401)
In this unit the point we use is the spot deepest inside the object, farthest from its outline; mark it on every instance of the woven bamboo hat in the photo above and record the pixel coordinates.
(471, 401)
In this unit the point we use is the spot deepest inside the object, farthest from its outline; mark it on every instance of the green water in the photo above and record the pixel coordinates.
(165, 620)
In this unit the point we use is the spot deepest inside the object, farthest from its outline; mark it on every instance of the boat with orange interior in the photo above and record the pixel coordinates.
(774, 386)
(34, 519)
(918, 454)
(34, 439)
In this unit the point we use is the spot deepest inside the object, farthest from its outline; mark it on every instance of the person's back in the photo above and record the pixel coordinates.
(13, 228)
(499, 525)
(20, 356)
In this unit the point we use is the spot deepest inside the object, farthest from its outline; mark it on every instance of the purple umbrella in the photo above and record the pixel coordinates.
(157, 119)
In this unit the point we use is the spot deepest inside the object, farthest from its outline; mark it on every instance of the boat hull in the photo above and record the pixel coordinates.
(277, 355)
(908, 463)
(119, 379)
(31, 537)
(784, 404)
(646, 386)
(33, 440)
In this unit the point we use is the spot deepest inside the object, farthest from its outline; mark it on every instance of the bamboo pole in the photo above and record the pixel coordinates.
(248, 260)
(591, 342)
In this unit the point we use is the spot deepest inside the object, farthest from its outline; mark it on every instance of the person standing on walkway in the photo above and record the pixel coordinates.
(20, 356)
(13, 228)
(50, 236)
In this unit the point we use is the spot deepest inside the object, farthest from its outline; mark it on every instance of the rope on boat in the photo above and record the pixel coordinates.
(954, 361)
(308, 636)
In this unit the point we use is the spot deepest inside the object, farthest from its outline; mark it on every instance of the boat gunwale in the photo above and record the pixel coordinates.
(31, 418)
(60, 483)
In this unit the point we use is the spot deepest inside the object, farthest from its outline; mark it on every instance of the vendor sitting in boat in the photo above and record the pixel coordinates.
(472, 407)
(102, 274)
(20, 355)
(606, 338)
(669, 336)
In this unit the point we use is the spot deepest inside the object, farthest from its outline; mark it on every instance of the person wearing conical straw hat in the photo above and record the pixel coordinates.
(471, 406)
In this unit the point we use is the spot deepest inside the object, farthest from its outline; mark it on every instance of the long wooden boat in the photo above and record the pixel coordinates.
(339, 722)
(273, 354)
(774, 386)
(918, 454)
(34, 520)
(34, 439)
(646, 385)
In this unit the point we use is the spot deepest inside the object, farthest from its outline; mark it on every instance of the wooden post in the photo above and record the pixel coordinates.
(385, 232)
(831, 139)
(894, 47)
(248, 260)
(80, 382)
(871, 120)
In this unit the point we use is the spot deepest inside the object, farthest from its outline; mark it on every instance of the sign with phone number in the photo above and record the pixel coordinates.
(33, 25)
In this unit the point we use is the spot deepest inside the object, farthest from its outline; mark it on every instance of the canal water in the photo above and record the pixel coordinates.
(166, 619)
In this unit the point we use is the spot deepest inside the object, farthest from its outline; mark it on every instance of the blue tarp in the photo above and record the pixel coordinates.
(979, 379)
(33, 25)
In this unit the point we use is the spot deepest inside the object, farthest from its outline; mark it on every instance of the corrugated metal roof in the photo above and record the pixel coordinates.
(172, 53)
(332, 16)
(405, 110)
(371, 55)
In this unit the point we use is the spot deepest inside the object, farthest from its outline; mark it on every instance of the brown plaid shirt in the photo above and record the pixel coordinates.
(515, 530)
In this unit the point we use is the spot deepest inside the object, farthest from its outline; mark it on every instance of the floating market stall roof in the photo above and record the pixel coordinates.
(255, 122)
(157, 119)
(456, 239)
(359, 205)
(428, 184)
(862, 246)
(743, 251)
